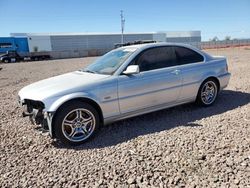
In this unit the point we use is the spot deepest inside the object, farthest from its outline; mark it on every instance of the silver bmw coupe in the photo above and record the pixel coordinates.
(125, 82)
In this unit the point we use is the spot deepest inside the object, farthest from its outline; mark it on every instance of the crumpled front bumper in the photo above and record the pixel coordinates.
(35, 111)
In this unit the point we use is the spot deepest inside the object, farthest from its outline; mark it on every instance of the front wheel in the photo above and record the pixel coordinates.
(6, 60)
(76, 122)
(207, 93)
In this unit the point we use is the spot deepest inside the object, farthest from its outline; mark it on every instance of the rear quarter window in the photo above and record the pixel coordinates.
(187, 56)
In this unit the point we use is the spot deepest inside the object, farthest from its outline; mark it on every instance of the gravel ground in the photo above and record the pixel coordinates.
(185, 146)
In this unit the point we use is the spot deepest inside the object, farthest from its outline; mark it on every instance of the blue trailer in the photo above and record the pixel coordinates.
(20, 44)
(15, 49)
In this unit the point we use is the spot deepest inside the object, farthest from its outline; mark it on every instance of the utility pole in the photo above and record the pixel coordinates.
(122, 26)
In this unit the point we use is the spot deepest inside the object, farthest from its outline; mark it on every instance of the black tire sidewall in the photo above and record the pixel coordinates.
(199, 100)
(6, 60)
(63, 111)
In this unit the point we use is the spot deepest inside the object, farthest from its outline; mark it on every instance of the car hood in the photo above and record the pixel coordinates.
(59, 85)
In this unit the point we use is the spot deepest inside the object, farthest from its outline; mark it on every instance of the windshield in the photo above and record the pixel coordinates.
(110, 62)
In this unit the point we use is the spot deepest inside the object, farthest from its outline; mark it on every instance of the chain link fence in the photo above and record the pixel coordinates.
(225, 43)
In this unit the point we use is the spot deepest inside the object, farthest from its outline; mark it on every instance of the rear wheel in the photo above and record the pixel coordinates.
(76, 122)
(6, 60)
(207, 93)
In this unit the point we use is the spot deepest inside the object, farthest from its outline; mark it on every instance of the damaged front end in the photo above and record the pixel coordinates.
(35, 111)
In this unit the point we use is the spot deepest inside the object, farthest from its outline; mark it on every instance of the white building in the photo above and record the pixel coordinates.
(65, 45)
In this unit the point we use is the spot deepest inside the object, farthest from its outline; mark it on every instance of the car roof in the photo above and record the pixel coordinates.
(158, 44)
(142, 47)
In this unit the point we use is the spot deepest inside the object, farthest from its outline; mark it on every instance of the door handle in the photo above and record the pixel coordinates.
(176, 72)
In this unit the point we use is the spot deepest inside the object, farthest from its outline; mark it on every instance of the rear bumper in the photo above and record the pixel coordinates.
(224, 80)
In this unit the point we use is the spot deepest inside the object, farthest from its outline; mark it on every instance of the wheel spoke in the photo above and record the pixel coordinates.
(73, 133)
(85, 120)
(84, 130)
(206, 87)
(206, 99)
(78, 114)
(85, 123)
(69, 123)
(203, 94)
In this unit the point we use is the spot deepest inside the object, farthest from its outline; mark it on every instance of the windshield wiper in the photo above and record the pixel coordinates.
(87, 70)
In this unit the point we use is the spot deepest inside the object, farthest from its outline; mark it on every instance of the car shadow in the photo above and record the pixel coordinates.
(183, 115)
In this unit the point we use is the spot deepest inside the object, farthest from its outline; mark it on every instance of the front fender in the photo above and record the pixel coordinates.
(53, 106)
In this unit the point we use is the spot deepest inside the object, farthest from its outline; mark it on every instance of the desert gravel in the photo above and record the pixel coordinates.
(185, 146)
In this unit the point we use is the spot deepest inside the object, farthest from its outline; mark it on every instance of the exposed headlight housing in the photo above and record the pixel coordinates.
(34, 104)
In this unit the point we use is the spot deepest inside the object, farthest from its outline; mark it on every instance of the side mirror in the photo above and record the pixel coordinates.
(132, 69)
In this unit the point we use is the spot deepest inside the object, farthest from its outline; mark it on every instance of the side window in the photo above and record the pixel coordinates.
(186, 56)
(156, 58)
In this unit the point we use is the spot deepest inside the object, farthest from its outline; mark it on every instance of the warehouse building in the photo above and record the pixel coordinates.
(66, 45)
(187, 37)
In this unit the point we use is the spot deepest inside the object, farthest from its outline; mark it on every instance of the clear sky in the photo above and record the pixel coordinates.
(213, 17)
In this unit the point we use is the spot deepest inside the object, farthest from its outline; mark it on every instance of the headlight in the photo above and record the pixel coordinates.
(34, 104)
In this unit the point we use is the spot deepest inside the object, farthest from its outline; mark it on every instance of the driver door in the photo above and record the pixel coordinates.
(158, 82)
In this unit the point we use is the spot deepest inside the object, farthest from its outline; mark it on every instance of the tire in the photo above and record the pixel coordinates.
(6, 60)
(207, 93)
(75, 123)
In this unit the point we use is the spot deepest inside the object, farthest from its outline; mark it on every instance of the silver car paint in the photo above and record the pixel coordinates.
(121, 96)
(148, 89)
